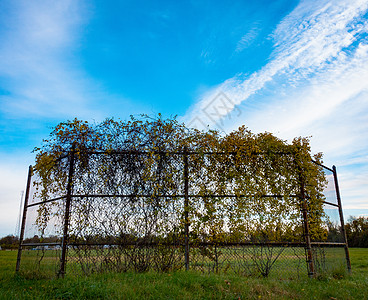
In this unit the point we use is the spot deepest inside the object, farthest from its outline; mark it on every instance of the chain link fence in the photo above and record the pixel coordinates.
(114, 218)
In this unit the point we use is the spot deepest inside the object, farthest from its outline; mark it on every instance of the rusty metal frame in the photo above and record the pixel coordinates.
(343, 231)
(69, 188)
(24, 218)
(307, 244)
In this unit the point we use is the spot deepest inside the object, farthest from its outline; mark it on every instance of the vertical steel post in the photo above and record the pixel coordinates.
(24, 218)
(346, 247)
(308, 245)
(67, 213)
(186, 209)
(307, 239)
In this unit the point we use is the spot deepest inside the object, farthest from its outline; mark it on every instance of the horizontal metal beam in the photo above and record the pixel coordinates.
(181, 196)
(40, 244)
(161, 196)
(321, 165)
(45, 201)
(142, 243)
(329, 203)
(199, 244)
(135, 152)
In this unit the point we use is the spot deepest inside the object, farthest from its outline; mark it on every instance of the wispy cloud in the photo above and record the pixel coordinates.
(39, 79)
(41, 75)
(42, 79)
(12, 181)
(322, 38)
(248, 38)
(315, 83)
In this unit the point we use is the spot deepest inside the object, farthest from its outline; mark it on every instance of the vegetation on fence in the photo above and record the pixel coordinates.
(130, 179)
(256, 165)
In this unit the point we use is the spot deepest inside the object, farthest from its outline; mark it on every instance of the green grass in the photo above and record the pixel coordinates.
(184, 285)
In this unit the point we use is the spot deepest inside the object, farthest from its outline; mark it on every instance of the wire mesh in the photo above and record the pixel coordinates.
(329, 260)
(89, 259)
(329, 256)
(128, 214)
(43, 230)
(262, 260)
(40, 261)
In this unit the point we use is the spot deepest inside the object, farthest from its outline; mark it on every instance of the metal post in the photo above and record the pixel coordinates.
(186, 209)
(346, 247)
(308, 245)
(67, 213)
(21, 236)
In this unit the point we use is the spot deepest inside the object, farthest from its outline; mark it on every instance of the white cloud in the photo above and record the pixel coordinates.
(316, 83)
(41, 74)
(320, 35)
(38, 74)
(43, 80)
(13, 176)
(248, 38)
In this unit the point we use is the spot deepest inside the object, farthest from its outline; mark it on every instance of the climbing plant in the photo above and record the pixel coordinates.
(129, 184)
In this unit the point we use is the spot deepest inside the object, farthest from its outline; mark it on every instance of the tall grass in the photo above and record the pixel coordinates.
(184, 285)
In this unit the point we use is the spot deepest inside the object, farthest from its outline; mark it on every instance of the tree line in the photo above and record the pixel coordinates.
(11, 242)
(356, 230)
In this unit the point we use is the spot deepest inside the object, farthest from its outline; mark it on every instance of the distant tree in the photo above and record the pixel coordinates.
(333, 232)
(357, 231)
(33, 240)
(9, 242)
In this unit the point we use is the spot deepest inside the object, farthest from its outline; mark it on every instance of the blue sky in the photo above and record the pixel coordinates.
(288, 67)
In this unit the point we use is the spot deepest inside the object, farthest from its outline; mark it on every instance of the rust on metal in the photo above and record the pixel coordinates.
(29, 179)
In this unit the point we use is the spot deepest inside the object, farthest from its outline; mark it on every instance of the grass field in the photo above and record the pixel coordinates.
(184, 285)
(278, 261)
